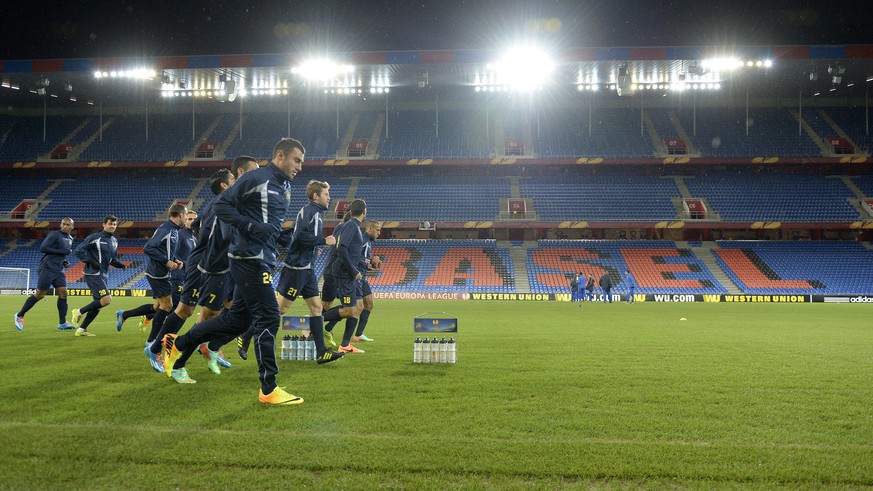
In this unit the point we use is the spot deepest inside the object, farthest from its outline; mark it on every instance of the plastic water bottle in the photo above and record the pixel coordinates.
(452, 351)
(444, 350)
(434, 351)
(286, 348)
(425, 350)
(416, 350)
(298, 355)
(305, 348)
(313, 352)
(294, 347)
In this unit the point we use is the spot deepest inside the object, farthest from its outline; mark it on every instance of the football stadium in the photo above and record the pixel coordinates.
(625, 266)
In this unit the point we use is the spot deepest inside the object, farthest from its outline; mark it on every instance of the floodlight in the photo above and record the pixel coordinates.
(524, 68)
(321, 69)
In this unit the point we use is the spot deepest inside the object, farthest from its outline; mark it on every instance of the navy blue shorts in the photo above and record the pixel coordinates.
(51, 279)
(214, 289)
(160, 287)
(347, 292)
(97, 284)
(191, 288)
(365, 288)
(328, 289)
(295, 283)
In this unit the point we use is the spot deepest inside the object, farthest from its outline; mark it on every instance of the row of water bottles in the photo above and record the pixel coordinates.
(298, 348)
(435, 351)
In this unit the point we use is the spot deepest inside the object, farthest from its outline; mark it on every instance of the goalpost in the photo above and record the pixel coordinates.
(14, 280)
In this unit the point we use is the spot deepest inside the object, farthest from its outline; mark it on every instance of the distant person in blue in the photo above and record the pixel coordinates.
(98, 251)
(631, 285)
(606, 286)
(589, 288)
(54, 248)
(574, 288)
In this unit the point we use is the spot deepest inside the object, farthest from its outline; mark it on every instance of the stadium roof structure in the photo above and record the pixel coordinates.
(770, 71)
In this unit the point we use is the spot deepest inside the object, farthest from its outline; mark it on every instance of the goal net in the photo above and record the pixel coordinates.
(14, 280)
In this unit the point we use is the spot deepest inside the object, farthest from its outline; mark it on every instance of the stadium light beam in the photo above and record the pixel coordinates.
(321, 69)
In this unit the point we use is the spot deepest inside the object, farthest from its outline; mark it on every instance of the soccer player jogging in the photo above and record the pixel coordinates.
(328, 287)
(98, 251)
(161, 250)
(298, 278)
(54, 248)
(631, 285)
(369, 263)
(187, 243)
(255, 206)
(349, 245)
(210, 256)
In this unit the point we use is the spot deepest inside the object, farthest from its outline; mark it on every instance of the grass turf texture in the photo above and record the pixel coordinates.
(544, 395)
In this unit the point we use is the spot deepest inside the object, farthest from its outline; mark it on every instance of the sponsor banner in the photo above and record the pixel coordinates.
(295, 322)
(767, 298)
(419, 296)
(538, 297)
(116, 292)
(435, 324)
(676, 297)
(843, 299)
(13, 291)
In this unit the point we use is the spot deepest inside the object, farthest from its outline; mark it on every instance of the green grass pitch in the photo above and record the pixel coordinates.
(544, 395)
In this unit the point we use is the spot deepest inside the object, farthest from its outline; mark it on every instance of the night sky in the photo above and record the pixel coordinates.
(88, 28)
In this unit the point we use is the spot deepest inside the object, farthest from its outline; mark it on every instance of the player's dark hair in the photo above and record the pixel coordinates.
(241, 161)
(357, 207)
(110, 218)
(287, 145)
(177, 210)
(221, 176)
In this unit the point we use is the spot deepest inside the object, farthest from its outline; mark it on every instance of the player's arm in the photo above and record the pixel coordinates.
(305, 233)
(53, 244)
(116, 263)
(225, 209)
(83, 252)
(157, 249)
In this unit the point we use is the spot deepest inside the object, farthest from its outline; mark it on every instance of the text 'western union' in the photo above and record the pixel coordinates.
(767, 298)
(512, 296)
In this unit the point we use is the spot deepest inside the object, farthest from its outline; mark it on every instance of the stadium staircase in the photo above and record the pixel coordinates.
(518, 252)
(131, 282)
(678, 203)
(74, 154)
(353, 188)
(48, 156)
(43, 199)
(689, 143)
(859, 195)
(221, 151)
(825, 150)
(192, 152)
(704, 253)
(15, 244)
(347, 138)
(657, 141)
(837, 130)
(376, 136)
